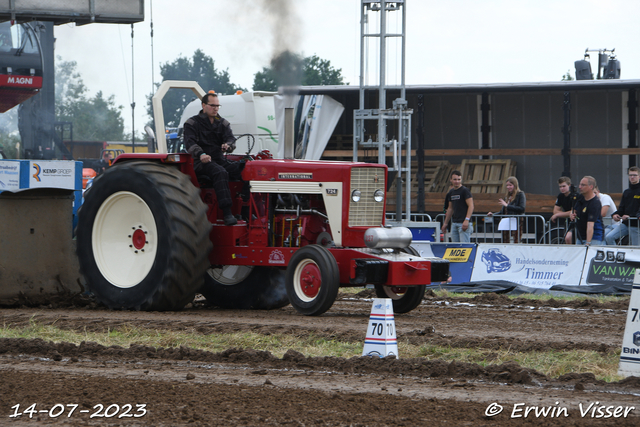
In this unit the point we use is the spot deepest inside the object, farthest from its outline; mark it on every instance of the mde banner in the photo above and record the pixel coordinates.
(534, 266)
(605, 265)
(460, 257)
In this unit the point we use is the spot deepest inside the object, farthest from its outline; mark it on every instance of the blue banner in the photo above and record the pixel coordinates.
(461, 257)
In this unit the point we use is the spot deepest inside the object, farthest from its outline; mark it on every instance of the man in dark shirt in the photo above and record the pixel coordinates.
(629, 208)
(207, 136)
(562, 208)
(459, 203)
(564, 203)
(588, 214)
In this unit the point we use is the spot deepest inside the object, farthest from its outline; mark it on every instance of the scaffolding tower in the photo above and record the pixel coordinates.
(380, 14)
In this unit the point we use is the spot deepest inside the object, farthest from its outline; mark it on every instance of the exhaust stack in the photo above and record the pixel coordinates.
(288, 133)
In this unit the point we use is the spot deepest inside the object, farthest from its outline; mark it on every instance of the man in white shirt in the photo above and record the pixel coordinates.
(608, 205)
(608, 209)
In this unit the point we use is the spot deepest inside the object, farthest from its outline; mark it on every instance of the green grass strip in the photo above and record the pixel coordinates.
(552, 363)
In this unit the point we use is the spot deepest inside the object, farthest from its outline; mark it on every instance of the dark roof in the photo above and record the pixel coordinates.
(572, 85)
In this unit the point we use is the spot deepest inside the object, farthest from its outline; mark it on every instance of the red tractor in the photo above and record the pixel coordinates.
(150, 236)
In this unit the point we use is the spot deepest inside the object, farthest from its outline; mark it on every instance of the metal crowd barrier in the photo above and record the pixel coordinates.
(555, 232)
(530, 229)
(414, 217)
(633, 227)
(535, 229)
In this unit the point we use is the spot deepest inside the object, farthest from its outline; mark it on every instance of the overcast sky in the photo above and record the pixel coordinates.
(454, 41)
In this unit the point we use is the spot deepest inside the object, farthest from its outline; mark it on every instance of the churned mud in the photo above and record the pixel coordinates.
(88, 384)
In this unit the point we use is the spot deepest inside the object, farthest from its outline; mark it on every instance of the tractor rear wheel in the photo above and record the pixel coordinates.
(405, 298)
(245, 287)
(143, 237)
(312, 280)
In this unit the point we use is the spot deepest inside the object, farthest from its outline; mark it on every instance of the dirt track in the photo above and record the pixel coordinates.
(245, 387)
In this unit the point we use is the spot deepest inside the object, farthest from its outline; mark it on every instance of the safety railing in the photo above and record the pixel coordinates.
(628, 235)
(623, 233)
(528, 229)
(414, 217)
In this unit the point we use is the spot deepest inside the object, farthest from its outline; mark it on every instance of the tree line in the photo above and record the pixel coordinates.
(99, 118)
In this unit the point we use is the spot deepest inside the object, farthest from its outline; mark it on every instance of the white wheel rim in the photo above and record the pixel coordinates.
(230, 275)
(301, 289)
(124, 239)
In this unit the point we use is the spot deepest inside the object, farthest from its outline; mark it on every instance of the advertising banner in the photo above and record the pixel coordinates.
(9, 175)
(532, 266)
(52, 174)
(461, 257)
(630, 354)
(605, 265)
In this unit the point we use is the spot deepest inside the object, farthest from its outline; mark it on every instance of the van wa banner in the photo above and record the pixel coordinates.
(533, 266)
(606, 265)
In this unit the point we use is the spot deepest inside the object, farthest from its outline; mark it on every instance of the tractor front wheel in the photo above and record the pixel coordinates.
(312, 280)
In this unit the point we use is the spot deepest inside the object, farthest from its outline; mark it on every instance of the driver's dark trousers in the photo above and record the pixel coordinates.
(220, 175)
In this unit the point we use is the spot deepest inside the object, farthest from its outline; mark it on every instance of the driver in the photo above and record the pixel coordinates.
(207, 136)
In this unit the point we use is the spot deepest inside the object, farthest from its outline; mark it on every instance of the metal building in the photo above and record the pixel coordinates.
(550, 129)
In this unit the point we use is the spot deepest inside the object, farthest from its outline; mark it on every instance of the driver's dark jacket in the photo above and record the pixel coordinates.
(202, 136)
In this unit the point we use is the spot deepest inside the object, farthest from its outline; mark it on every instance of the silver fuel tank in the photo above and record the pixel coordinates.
(396, 237)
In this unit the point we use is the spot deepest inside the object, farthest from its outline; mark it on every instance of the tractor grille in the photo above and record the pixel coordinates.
(367, 212)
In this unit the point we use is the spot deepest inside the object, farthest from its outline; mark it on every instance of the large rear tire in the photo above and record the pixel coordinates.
(405, 298)
(143, 237)
(245, 287)
(312, 280)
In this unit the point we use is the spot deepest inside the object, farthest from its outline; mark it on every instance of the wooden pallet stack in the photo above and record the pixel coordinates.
(436, 177)
(486, 176)
(480, 176)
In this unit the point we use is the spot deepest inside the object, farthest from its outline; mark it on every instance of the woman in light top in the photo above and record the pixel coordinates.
(513, 203)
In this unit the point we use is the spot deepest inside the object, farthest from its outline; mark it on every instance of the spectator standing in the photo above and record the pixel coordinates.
(587, 213)
(628, 209)
(459, 203)
(513, 203)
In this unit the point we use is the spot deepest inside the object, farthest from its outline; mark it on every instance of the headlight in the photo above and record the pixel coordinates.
(355, 195)
(378, 196)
